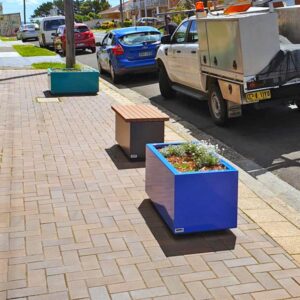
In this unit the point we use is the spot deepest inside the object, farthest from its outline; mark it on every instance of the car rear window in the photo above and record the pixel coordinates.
(53, 24)
(81, 29)
(140, 38)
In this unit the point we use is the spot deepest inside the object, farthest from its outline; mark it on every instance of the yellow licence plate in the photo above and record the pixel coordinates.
(257, 96)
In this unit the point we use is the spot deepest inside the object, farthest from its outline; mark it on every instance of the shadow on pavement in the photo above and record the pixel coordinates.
(22, 76)
(173, 245)
(120, 159)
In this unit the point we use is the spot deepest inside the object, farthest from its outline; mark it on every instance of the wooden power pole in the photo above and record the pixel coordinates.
(70, 43)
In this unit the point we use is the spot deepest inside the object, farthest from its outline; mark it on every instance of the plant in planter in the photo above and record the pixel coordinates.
(193, 189)
(73, 81)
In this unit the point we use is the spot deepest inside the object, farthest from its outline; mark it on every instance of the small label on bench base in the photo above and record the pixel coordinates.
(179, 230)
(133, 156)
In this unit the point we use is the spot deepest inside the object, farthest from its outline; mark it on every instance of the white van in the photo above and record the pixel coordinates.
(49, 25)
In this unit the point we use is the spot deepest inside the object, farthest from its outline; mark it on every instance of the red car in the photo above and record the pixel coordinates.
(84, 38)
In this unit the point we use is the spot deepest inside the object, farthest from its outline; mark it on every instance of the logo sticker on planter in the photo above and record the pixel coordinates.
(179, 230)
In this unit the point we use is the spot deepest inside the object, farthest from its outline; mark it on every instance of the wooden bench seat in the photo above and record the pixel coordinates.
(138, 125)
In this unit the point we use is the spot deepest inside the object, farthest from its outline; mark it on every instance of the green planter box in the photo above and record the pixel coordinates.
(73, 82)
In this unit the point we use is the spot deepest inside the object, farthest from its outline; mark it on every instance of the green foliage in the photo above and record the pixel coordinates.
(30, 50)
(181, 6)
(47, 65)
(43, 10)
(82, 8)
(203, 154)
(107, 25)
(7, 39)
(127, 23)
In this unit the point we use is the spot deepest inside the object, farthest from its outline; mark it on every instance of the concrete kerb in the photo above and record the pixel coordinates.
(277, 194)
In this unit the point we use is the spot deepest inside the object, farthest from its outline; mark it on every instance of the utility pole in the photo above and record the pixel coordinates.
(24, 7)
(70, 42)
(121, 13)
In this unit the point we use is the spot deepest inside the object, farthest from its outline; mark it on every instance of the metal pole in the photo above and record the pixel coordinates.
(145, 6)
(24, 7)
(121, 13)
(70, 43)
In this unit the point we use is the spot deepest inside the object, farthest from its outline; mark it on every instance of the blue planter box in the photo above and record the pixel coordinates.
(62, 82)
(192, 201)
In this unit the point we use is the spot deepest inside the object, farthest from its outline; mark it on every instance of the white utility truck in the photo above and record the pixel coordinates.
(237, 59)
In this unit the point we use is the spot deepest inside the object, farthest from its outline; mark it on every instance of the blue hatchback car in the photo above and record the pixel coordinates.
(129, 50)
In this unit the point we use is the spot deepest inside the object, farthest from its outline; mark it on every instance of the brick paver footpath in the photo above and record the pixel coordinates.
(76, 223)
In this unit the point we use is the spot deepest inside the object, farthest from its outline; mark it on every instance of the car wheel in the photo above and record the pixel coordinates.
(165, 83)
(23, 40)
(115, 78)
(63, 52)
(93, 49)
(217, 105)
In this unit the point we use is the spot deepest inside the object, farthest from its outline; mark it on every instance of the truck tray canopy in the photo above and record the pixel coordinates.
(284, 67)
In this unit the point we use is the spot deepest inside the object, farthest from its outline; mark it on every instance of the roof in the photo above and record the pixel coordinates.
(129, 30)
(114, 9)
(53, 18)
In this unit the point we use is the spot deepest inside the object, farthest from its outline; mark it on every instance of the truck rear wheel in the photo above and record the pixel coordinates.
(217, 105)
(165, 83)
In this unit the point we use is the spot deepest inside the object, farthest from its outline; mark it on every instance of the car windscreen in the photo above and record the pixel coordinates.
(80, 29)
(29, 27)
(140, 38)
(53, 24)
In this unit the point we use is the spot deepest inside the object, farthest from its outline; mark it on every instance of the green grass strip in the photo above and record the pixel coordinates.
(31, 50)
(7, 39)
(47, 65)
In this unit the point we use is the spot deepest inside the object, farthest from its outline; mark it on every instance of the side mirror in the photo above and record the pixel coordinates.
(166, 39)
(53, 34)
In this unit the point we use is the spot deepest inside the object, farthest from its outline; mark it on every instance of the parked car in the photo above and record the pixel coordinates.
(149, 21)
(27, 32)
(48, 26)
(84, 38)
(129, 50)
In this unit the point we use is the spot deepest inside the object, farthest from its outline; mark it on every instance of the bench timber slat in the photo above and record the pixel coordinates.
(138, 125)
(139, 113)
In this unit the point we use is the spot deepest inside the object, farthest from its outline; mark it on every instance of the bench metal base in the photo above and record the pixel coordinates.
(133, 136)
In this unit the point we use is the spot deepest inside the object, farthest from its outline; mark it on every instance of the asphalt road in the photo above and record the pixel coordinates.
(268, 137)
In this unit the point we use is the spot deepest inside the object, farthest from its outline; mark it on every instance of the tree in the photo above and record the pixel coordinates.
(43, 10)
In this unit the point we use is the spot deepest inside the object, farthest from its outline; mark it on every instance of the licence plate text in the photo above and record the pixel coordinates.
(259, 95)
(145, 53)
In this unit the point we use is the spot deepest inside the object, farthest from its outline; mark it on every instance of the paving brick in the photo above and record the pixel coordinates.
(121, 296)
(291, 286)
(149, 293)
(99, 293)
(36, 278)
(267, 281)
(52, 296)
(125, 287)
(152, 278)
(219, 268)
(238, 262)
(220, 282)
(220, 293)
(130, 273)
(174, 284)
(78, 289)
(197, 290)
(283, 261)
(264, 268)
(109, 267)
(17, 272)
(245, 288)
(271, 295)
(89, 262)
(56, 283)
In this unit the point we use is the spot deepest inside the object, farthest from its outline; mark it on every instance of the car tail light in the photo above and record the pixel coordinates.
(117, 50)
